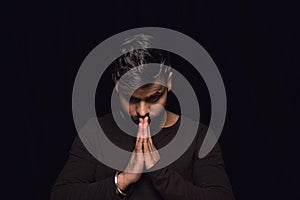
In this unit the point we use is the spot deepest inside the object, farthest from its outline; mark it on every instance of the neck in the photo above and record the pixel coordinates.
(172, 118)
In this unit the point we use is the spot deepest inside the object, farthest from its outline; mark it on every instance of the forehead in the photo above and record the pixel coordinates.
(146, 91)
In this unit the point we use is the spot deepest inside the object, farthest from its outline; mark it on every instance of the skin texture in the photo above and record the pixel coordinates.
(145, 155)
(143, 102)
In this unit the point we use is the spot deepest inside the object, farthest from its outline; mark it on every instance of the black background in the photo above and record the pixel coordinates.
(253, 43)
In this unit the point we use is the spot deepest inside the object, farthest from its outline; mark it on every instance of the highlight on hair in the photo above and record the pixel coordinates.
(137, 52)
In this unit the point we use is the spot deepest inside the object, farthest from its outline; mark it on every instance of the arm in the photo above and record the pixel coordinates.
(209, 176)
(76, 181)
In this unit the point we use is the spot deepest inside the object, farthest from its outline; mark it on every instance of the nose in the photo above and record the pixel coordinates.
(143, 108)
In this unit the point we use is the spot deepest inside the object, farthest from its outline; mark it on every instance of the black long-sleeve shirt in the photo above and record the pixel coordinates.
(188, 178)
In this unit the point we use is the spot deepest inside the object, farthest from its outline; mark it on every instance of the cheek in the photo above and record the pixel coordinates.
(132, 109)
(158, 107)
(124, 104)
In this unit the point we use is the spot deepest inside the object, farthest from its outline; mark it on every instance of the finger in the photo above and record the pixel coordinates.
(148, 135)
(140, 132)
(139, 140)
(147, 155)
(148, 143)
(141, 120)
(146, 127)
(146, 119)
(139, 146)
(151, 148)
(145, 146)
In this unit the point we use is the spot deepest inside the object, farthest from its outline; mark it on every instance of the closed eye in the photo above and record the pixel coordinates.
(134, 100)
(153, 98)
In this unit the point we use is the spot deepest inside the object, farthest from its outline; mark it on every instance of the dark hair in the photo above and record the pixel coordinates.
(136, 53)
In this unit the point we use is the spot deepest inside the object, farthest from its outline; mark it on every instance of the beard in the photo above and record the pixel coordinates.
(156, 122)
(136, 118)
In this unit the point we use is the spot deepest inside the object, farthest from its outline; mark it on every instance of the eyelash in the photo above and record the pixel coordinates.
(153, 98)
(133, 100)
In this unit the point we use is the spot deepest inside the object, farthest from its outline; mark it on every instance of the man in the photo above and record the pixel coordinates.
(189, 177)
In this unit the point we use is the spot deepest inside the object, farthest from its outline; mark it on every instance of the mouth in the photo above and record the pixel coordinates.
(135, 119)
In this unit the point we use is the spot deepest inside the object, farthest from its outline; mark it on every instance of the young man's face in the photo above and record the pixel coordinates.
(148, 101)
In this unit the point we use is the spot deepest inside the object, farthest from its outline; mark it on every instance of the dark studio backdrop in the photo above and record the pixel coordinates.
(253, 43)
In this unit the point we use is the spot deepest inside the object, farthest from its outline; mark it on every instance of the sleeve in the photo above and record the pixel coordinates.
(210, 181)
(76, 180)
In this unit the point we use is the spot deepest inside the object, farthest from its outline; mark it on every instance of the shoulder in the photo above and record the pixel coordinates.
(205, 138)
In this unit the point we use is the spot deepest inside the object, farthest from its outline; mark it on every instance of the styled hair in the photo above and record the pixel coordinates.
(137, 52)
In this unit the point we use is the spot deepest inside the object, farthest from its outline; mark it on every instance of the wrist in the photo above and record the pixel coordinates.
(123, 189)
(122, 181)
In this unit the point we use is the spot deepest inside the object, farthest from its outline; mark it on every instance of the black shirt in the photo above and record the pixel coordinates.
(189, 177)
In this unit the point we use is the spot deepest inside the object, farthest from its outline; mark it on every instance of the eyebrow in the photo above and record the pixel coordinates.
(158, 92)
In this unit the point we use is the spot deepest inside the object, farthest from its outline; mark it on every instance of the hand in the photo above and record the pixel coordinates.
(151, 154)
(144, 154)
(135, 166)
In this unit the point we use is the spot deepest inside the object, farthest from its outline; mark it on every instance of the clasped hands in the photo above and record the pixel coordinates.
(144, 155)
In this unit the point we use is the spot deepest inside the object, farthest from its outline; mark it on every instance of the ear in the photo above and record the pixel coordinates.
(169, 82)
(117, 87)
